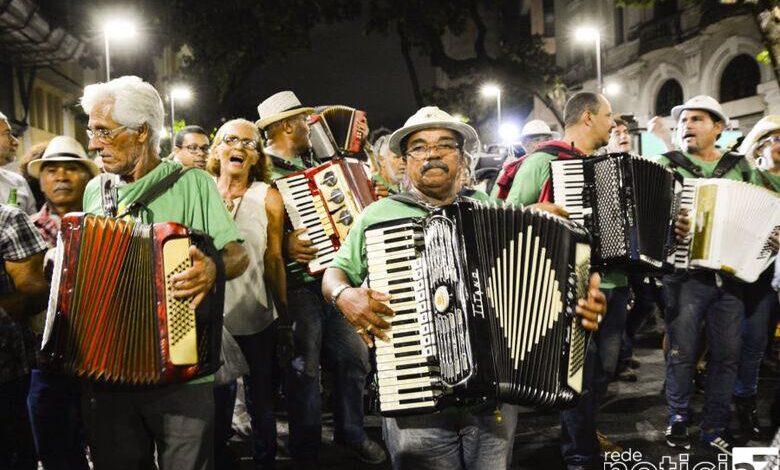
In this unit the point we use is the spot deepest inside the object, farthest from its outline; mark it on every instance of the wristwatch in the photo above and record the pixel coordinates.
(334, 296)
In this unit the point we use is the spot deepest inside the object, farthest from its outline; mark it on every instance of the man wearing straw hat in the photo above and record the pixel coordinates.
(54, 400)
(317, 327)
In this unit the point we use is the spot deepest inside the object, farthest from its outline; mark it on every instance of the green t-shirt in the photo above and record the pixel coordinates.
(193, 201)
(707, 168)
(526, 188)
(767, 180)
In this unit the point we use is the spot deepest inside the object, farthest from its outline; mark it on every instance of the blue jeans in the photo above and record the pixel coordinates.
(579, 445)
(760, 305)
(320, 329)
(455, 438)
(692, 299)
(54, 403)
(646, 297)
(17, 450)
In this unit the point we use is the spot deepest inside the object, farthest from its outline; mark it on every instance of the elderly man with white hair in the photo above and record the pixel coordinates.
(127, 424)
(8, 179)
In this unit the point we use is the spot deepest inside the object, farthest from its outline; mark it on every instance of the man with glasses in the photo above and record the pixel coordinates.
(317, 327)
(436, 148)
(191, 147)
(8, 179)
(126, 424)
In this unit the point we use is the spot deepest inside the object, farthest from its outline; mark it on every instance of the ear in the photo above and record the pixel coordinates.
(587, 117)
(720, 126)
(143, 133)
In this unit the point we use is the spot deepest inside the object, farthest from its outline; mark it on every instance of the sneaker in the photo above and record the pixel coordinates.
(748, 417)
(677, 435)
(721, 442)
(605, 445)
(368, 452)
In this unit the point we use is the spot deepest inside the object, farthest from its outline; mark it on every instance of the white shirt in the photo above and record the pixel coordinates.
(24, 195)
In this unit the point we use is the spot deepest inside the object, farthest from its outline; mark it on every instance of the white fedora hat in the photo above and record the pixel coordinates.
(279, 106)
(704, 103)
(537, 127)
(62, 149)
(431, 117)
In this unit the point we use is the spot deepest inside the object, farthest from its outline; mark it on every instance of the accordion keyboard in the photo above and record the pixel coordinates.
(686, 202)
(568, 186)
(308, 211)
(407, 369)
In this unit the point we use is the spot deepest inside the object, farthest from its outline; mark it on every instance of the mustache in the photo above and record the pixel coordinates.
(431, 164)
(61, 186)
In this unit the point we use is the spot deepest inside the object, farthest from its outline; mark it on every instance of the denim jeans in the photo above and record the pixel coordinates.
(17, 451)
(259, 350)
(579, 445)
(319, 329)
(54, 403)
(646, 297)
(692, 299)
(452, 439)
(760, 305)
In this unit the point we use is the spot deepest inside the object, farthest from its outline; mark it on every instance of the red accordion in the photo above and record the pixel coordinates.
(112, 316)
(326, 201)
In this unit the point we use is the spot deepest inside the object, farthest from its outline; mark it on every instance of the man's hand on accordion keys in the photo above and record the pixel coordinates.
(682, 226)
(299, 249)
(593, 308)
(364, 309)
(197, 280)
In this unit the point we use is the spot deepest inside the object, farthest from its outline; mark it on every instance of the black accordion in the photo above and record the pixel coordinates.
(112, 316)
(484, 301)
(627, 203)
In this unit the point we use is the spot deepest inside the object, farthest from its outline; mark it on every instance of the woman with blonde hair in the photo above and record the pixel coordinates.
(252, 316)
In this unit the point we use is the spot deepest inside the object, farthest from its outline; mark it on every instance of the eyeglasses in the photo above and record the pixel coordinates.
(421, 151)
(105, 135)
(193, 148)
(232, 140)
(770, 140)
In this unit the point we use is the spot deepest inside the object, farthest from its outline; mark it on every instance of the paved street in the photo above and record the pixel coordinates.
(633, 417)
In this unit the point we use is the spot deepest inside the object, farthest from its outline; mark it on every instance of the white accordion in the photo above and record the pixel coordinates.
(731, 223)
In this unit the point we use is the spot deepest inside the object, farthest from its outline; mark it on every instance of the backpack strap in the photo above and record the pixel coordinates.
(728, 161)
(153, 192)
(678, 160)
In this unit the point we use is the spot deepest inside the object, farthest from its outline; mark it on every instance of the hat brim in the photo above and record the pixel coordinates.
(34, 167)
(553, 135)
(677, 110)
(763, 127)
(264, 122)
(470, 137)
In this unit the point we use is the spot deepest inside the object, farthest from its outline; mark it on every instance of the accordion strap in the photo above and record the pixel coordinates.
(153, 192)
(728, 161)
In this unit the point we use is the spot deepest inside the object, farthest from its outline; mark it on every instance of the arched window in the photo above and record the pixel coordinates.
(739, 79)
(669, 96)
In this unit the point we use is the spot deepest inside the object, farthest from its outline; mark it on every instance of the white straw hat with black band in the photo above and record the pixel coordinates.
(62, 149)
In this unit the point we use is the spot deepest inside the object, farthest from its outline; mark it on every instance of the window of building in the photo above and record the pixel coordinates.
(548, 12)
(664, 9)
(619, 36)
(739, 79)
(669, 96)
(46, 111)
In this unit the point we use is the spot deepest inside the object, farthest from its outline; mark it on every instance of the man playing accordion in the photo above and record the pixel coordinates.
(435, 146)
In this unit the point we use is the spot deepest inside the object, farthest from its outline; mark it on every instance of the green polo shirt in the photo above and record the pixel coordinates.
(193, 201)
(526, 188)
(707, 168)
(767, 180)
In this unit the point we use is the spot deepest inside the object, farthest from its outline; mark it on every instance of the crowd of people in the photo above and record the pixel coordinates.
(289, 325)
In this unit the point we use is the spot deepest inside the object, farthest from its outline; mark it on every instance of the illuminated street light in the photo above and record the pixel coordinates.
(182, 93)
(489, 90)
(591, 34)
(509, 132)
(612, 89)
(121, 29)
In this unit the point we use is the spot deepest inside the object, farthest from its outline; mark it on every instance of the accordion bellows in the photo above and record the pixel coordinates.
(112, 317)
(484, 302)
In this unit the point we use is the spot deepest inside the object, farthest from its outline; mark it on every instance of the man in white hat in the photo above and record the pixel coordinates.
(533, 134)
(54, 400)
(8, 179)
(317, 328)
(696, 297)
(436, 148)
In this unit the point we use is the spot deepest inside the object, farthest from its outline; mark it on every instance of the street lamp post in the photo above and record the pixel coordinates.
(180, 92)
(587, 33)
(489, 90)
(118, 28)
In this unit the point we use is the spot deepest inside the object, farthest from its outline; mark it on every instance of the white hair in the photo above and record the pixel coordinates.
(135, 103)
(3, 117)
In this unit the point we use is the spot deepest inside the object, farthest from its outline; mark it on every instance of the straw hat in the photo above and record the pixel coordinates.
(279, 106)
(62, 149)
(431, 117)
